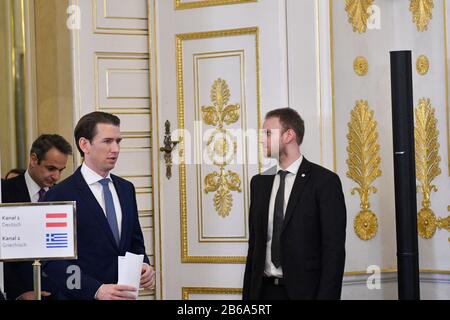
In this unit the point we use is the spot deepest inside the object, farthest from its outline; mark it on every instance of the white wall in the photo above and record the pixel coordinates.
(397, 32)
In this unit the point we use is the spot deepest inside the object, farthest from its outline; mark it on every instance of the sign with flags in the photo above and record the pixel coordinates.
(37, 231)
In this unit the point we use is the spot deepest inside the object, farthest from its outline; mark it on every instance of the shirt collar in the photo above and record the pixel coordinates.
(33, 187)
(90, 176)
(293, 168)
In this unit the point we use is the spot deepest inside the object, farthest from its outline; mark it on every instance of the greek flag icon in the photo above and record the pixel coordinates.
(56, 240)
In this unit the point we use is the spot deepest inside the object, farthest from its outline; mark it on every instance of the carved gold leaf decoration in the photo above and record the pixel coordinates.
(427, 164)
(364, 165)
(223, 202)
(221, 147)
(427, 148)
(358, 14)
(222, 184)
(422, 11)
(220, 113)
(447, 226)
(444, 223)
(210, 116)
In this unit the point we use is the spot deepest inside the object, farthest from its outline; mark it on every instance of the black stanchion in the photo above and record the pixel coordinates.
(405, 175)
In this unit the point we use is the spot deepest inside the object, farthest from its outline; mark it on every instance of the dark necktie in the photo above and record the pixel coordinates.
(110, 210)
(42, 193)
(278, 217)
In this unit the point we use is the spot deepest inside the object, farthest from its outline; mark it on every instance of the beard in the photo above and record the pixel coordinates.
(274, 153)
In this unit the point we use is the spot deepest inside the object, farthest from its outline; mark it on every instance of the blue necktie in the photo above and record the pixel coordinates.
(278, 218)
(110, 210)
(42, 193)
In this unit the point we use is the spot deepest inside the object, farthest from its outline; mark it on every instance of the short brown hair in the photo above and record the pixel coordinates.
(87, 126)
(290, 119)
(45, 142)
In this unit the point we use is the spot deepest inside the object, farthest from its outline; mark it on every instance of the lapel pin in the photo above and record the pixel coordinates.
(303, 175)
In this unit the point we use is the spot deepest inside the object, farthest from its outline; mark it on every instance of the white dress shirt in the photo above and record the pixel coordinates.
(270, 270)
(33, 187)
(92, 179)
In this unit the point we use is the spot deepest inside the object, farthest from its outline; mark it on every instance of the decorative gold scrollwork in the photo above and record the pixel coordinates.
(221, 147)
(427, 168)
(364, 165)
(422, 11)
(358, 14)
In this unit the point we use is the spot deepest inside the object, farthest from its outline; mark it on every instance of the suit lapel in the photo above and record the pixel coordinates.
(22, 189)
(125, 221)
(95, 208)
(301, 179)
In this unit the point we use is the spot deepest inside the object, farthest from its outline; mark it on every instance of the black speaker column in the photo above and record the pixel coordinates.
(405, 176)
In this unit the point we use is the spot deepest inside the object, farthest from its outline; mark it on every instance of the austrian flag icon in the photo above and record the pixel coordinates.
(56, 220)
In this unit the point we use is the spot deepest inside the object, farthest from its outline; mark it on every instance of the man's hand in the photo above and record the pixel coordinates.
(116, 292)
(148, 278)
(29, 295)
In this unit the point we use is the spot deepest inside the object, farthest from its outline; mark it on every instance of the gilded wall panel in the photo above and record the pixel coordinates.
(218, 102)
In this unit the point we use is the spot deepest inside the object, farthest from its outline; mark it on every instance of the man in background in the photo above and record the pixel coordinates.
(107, 217)
(48, 159)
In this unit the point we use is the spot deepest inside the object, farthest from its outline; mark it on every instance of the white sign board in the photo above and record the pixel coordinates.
(38, 231)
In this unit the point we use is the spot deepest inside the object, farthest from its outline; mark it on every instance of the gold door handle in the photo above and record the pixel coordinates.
(168, 148)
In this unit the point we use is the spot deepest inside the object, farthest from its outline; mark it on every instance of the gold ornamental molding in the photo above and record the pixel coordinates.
(180, 4)
(427, 168)
(187, 291)
(221, 147)
(364, 165)
(422, 65)
(358, 14)
(361, 66)
(422, 11)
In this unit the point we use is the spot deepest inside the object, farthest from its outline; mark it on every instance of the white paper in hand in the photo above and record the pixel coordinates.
(130, 267)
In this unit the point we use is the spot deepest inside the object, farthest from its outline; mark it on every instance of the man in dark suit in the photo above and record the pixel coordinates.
(297, 221)
(48, 158)
(107, 217)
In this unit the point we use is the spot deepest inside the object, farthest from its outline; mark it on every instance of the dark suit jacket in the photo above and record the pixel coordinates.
(313, 236)
(97, 249)
(19, 275)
